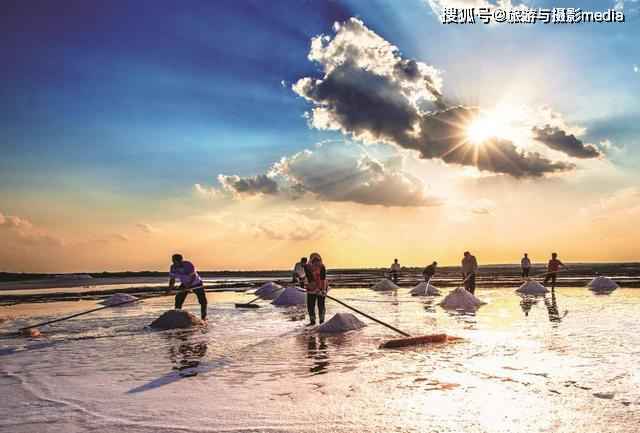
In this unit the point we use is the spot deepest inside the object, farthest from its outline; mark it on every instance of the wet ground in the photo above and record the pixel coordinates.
(563, 363)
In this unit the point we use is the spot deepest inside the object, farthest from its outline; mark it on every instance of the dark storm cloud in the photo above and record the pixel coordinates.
(558, 139)
(260, 184)
(337, 171)
(446, 139)
(370, 92)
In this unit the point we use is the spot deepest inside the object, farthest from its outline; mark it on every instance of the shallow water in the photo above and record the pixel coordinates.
(569, 365)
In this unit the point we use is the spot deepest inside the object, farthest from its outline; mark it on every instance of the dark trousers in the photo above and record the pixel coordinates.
(470, 284)
(394, 276)
(552, 278)
(312, 299)
(525, 272)
(202, 299)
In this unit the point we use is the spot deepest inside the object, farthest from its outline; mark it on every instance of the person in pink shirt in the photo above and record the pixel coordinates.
(189, 280)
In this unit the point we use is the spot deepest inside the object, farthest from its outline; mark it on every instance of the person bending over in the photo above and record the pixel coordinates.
(189, 280)
(430, 271)
(316, 287)
(299, 275)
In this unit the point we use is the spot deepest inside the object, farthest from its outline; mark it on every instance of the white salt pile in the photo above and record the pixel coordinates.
(384, 285)
(119, 298)
(269, 290)
(341, 322)
(460, 299)
(176, 319)
(290, 296)
(422, 290)
(532, 288)
(602, 284)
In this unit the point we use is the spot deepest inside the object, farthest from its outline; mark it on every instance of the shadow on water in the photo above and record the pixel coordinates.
(186, 356)
(552, 308)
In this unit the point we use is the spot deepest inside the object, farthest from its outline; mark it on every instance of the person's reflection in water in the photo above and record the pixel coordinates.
(187, 355)
(317, 351)
(526, 304)
(552, 307)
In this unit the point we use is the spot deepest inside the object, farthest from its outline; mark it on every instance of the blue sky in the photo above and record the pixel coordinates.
(129, 104)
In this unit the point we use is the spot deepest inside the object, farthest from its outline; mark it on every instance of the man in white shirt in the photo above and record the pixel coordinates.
(299, 275)
(525, 263)
(189, 281)
(395, 270)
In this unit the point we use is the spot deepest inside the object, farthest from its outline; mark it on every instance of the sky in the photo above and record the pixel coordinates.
(246, 134)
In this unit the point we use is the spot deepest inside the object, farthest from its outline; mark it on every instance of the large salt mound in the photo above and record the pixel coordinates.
(176, 319)
(119, 298)
(461, 299)
(384, 285)
(341, 322)
(290, 296)
(532, 288)
(269, 290)
(422, 290)
(602, 284)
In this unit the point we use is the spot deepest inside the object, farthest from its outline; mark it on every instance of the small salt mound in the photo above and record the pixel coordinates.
(118, 299)
(269, 291)
(290, 296)
(176, 319)
(341, 322)
(532, 288)
(422, 290)
(602, 284)
(461, 299)
(384, 285)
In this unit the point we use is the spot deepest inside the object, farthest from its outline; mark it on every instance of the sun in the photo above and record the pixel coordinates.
(481, 129)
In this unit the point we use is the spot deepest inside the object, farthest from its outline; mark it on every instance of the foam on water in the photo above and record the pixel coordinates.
(107, 372)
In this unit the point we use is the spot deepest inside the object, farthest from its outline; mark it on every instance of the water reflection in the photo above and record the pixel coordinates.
(187, 355)
(526, 303)
(318, 353)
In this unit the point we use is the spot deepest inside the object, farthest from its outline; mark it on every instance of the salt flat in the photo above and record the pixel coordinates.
(261, 370)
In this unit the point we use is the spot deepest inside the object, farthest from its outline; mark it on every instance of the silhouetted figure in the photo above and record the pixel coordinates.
(430, 271)
(316, 287)
(552, 269)
(469, 270)
(525, 263)
(189, 280)
(395, 270)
